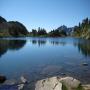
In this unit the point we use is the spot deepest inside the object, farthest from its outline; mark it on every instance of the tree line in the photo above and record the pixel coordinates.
(17, 29)
(83, 29)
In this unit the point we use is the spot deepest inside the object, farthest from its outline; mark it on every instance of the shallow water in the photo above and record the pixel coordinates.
(38, 58)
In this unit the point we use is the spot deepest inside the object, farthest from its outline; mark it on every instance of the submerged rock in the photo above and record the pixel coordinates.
(23, 79)
(2, 79)
(85, 64)
(20, 86)
(22, 83)
(10, 82)
(63, 74)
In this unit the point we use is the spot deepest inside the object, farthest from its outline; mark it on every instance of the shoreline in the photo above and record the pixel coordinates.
(24, 84)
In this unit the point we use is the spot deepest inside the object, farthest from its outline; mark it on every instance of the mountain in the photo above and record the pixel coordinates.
(67, 30)
(2, 20)
(12, 28)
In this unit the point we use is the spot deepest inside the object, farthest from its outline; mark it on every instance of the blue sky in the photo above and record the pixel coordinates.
(48, 14)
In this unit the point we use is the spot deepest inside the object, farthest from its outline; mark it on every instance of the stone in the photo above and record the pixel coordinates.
(10, 82)
(48, 84)
(86, 87)
(51, 69)
(23, 79)
(63, 74)
(70, 83)
(2, 79)
(85, 64)
(57, 83)
(20, 86)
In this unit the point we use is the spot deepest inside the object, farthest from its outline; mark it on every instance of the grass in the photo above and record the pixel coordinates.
(80, 87)
(64, 87)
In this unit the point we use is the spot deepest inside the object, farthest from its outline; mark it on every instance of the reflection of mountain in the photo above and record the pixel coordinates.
(6, 45)
(84, 47)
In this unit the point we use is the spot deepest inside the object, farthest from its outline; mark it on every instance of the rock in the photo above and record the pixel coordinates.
(48, 84)
(70, 83)
(58, 83)
(86, 87)
(23, 79)
(85, 64)
(10, 82)
(51, 69)
(22, 83)
(63, 74)
(20, 86)
(2, 79)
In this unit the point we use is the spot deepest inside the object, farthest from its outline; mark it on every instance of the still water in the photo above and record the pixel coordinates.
(37, 58)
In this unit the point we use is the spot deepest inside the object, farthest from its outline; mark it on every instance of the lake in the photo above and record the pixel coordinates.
(37, 58)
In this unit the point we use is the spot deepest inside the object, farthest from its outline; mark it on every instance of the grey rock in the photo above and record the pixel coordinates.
(10, 82)
(55, 83)
(48, 84)
(20, 86)
(70, 82)
(85, 64)
(23, 79)
(86, 87)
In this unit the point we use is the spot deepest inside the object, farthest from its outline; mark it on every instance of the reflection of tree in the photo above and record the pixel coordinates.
(58, 43)
(3, 47)
(6, 45)
(39, 42)
(34, 41)
(16, 44)
(84, 47)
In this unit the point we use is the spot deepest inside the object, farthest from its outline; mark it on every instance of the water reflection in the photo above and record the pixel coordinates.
(43, 57)
(84, 47)
(6, 45)
(39, 42)
(58, 43)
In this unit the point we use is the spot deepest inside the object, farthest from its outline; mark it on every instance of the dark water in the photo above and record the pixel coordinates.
(38, 58)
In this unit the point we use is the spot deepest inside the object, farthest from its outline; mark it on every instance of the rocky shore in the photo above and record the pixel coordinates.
(52, 83)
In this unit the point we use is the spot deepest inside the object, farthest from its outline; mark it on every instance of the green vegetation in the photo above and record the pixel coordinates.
(80, 87)
(40, 32)
(83, 29)
(64, 87)
(12, 29)
(17, 29)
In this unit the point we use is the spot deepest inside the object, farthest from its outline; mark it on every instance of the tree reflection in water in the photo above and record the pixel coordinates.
(84, 47)
(6, 45)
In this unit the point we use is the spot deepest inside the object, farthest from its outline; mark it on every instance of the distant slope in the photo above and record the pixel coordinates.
(83, 29)
(12, 28)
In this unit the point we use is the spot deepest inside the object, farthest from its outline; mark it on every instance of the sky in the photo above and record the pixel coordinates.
(48, 14)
